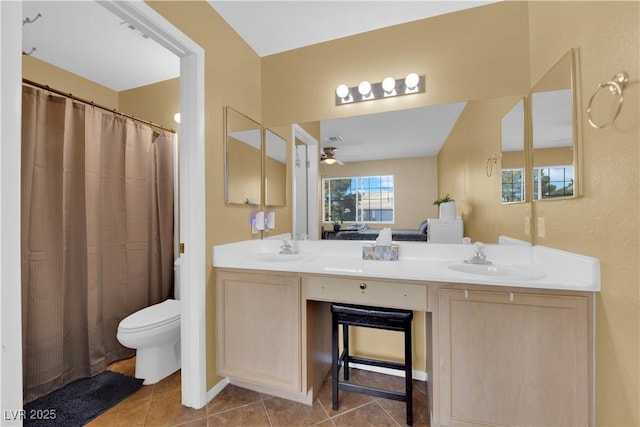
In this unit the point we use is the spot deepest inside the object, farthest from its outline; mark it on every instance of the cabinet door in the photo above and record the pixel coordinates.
(258, 325)
(513, 359)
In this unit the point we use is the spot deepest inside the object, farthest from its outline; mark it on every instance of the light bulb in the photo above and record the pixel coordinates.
(411, 81)
(364, 88)
(176, 117)
(342, 91)
(388, 84)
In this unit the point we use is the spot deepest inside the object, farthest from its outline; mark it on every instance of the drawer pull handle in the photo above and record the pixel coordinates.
(363, 286)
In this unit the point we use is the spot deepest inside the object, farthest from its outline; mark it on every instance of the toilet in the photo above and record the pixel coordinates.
(154, 332)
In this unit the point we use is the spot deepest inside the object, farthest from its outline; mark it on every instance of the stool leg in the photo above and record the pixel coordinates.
(334, 361)
(408, 374)
(345, 344)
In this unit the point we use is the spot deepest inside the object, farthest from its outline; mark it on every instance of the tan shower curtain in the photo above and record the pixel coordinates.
(97, 234)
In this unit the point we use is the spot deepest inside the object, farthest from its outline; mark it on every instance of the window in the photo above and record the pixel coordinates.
(552, 181)
(512, 185)
(358, 199)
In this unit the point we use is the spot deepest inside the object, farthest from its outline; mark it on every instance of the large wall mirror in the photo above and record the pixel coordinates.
(512, 155)
(431, 151)
(243, 159)
(555, 147)
(275, 169)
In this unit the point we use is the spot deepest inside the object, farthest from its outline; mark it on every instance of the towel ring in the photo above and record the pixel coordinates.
(616, 87)
(489, 166)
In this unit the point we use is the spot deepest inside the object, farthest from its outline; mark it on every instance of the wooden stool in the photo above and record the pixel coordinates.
(378, 318)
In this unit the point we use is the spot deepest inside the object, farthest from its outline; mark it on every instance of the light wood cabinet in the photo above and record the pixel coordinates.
(259, 329)
(513, 358)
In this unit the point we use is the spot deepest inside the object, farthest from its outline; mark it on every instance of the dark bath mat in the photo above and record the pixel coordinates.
(79, 402)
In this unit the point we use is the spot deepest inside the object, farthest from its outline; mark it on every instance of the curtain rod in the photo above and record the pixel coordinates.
(93, 104)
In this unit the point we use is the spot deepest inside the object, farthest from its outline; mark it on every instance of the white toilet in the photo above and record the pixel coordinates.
(154, 332)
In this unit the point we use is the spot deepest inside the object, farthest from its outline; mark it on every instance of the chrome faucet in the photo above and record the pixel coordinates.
(286, 248)
(478, 257)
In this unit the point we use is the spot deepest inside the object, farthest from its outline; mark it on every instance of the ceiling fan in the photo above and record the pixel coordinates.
(328, 156)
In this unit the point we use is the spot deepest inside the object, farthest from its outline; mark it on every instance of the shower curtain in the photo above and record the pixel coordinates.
(97, 234)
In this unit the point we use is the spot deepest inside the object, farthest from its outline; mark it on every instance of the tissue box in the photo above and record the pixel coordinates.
(380, 253)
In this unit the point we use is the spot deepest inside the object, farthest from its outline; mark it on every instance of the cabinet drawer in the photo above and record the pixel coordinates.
(392, 294)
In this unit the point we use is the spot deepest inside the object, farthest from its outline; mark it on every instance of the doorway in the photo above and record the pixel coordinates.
(191, 188)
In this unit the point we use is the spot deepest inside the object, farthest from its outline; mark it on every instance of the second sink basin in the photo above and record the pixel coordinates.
(520, 272)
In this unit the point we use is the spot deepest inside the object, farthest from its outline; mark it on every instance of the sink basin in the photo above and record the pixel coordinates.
(269, 257)
(500, 271)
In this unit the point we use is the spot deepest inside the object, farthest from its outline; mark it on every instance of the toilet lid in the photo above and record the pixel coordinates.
(153, 316)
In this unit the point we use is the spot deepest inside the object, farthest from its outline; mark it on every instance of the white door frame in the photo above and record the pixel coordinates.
(10, 275)
(192, 192)
(312, 180)
(192, 227)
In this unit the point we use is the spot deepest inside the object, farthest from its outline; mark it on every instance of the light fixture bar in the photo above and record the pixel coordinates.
(349, 95)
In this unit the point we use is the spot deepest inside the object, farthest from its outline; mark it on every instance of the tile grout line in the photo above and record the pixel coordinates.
(387, 412)
(325, 412)
(266, 412)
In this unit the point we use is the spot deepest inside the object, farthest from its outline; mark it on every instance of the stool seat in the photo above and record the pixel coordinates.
(372, 313)
(378, 318)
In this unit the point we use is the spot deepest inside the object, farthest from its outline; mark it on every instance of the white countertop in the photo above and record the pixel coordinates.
(419, 262)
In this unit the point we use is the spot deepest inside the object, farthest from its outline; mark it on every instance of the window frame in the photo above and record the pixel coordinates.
(359, 216)
(523, 186)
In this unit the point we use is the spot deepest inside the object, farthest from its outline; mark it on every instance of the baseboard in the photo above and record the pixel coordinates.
(217, 389)
(416, 375)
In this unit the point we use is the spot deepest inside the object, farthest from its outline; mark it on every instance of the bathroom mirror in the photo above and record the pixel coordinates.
(243, 159)
(555, 148)
(512, 158)
(275, 169)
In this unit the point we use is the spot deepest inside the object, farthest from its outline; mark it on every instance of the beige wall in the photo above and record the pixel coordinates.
(415, 186)
(157, 102)
(57, 78)
(232, 77)
(486, 58)
(604, 222)
(462, 172)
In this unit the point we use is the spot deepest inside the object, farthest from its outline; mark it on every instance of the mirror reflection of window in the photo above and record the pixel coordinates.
(552, 130)
(512, 155)
(358, 199)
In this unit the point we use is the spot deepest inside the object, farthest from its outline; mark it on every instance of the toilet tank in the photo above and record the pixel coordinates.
(176, 278)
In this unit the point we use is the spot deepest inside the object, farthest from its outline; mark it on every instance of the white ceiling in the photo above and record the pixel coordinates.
(271, 27)
(417, 132)
(86, 39)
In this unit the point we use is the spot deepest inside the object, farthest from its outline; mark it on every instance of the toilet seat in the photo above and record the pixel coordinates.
(152, 317)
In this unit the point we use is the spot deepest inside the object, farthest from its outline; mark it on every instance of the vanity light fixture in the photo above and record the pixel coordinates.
(389, 87)
(364, 88)
(411, 82)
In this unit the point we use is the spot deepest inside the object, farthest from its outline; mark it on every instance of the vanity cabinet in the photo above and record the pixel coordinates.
(259, 329)
(514, 358)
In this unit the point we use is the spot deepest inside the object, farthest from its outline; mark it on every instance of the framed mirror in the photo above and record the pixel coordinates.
(512, 154)
(243, 159)
(553, 133)
(275, 169)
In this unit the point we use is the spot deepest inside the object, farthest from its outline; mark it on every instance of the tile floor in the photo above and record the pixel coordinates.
(159, 405)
